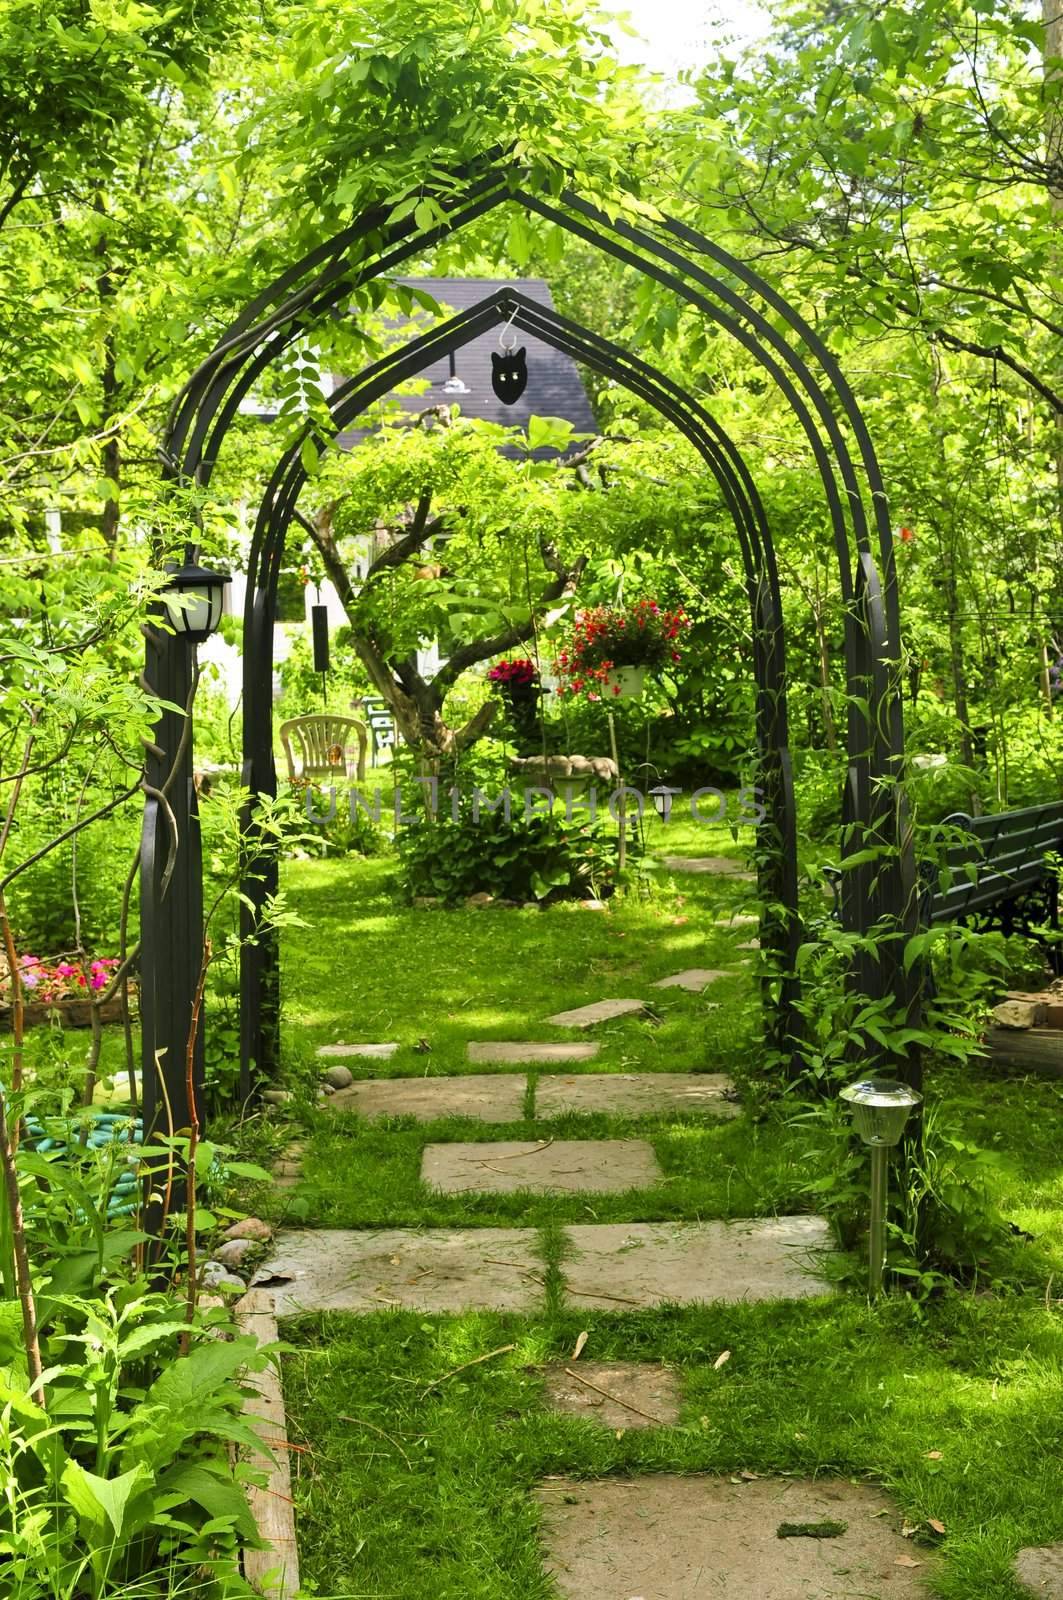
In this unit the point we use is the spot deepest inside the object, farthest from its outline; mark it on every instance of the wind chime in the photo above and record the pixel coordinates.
(319, 635)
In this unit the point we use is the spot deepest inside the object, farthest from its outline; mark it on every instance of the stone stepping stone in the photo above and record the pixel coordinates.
(490, 1097)
(725, 866)
(1040, 1570)
(435, 1269)
(288, 1169)
(615, 1394)
(552, 1166)
(634, 1093)
(670, 1537)
(374, 1052)
(600, 1011)
(686, 1263)
(750, 944)
(694, 978)
(741, 921)
(528, 1052)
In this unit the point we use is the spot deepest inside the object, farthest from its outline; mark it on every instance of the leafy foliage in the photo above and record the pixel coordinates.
(517, 858)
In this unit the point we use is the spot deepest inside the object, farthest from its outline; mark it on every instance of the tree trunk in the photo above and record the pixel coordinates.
(112, 452)
(1052, 17)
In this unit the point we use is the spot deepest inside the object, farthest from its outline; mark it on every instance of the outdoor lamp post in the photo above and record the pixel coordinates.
(194, 597)
(881, 1108)
(189, 608)
(662, 797)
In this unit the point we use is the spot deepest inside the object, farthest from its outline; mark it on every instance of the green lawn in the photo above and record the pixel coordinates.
(403, 1490)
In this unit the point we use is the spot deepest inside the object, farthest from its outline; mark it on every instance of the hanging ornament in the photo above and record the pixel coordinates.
(509, 375)
(509, 371)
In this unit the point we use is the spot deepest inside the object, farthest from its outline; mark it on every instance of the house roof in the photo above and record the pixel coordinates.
(554, 389)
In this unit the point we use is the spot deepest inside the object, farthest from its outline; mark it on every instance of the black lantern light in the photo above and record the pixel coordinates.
(193, 597)
(662, 797)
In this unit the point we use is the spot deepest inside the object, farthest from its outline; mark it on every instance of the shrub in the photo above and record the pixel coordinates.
(542, 857)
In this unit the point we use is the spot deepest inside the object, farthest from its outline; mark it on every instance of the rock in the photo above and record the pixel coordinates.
(234, 1251)
(594, 905)
(250, 1228)
(477, 902)
(506, 905)
(276, 1097)
(425, 902)
(326, 1089)
(215, 1276)
(531, 905)
(1040, 1570)
(338, 1077)
(1016, 1014)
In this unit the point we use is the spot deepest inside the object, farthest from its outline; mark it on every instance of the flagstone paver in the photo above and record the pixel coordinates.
(374, 1052)
(655, 1263)
(674, 1537)
(434, 1269)
(490, 1097)
(600, 1011)
(552, 1166)
(616, 1394)
(528, 1052)
(693, 978)
(1040, 1570)
(725, 866)
(634, 1093)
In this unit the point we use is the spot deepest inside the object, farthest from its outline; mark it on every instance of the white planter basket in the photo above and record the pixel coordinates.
(624, 683)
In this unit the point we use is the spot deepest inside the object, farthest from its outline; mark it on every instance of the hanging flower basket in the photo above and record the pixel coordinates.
(612, 649)
(517, 680)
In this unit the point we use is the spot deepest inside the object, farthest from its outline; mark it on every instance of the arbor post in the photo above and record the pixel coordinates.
(171, 911)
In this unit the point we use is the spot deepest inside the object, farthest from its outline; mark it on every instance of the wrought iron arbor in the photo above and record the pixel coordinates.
(879, 885)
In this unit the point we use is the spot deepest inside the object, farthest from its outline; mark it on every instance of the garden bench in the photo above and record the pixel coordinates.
(324, 744)
(992, 868)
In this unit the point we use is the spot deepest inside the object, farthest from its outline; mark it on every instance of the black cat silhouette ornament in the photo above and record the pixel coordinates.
(509, 375)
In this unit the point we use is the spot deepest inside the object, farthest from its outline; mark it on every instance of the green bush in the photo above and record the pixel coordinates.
(542, 857)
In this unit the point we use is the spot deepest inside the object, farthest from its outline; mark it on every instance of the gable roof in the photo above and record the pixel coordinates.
(554, 389)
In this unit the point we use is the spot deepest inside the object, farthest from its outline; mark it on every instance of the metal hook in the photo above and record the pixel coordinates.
(506, 348)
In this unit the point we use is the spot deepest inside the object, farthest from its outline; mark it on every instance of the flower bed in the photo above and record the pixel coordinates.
(62, 991)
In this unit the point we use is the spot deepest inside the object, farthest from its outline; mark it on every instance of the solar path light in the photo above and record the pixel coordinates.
(881, 1108)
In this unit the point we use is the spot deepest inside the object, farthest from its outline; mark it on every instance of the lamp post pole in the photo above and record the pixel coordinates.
(171, 872)
(877, 1227)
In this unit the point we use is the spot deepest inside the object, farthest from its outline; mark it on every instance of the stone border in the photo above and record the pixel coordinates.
(274, 1572)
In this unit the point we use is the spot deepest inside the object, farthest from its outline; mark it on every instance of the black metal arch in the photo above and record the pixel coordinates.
(678, 259)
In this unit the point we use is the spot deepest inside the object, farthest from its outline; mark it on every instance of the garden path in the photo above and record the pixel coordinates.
(551, 1090)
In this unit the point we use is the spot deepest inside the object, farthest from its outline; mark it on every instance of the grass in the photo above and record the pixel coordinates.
(407, 1485)
(956, 1415)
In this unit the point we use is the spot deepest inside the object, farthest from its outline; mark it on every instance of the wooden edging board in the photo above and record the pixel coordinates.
(274, 1572)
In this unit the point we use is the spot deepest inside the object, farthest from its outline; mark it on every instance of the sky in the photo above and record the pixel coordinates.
(677, 34)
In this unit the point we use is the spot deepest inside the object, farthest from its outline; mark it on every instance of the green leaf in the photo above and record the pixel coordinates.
(196, 1377)
(218, 1497)
(99, 1500)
